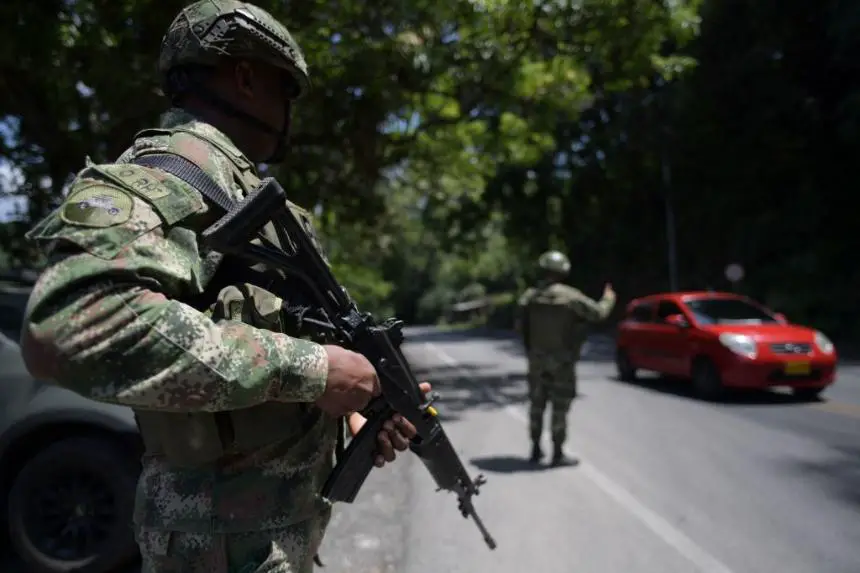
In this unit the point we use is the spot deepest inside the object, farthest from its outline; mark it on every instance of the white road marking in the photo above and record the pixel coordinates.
(702, 559)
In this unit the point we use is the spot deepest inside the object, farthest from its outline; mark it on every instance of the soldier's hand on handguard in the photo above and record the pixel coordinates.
(395, 435)
(352, 382)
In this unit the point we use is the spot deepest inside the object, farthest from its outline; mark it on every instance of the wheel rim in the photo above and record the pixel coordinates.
(68, 516)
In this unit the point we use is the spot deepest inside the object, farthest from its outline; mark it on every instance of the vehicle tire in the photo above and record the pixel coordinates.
(707, 381)
(70, 508)
(807, 394)
(626, 370)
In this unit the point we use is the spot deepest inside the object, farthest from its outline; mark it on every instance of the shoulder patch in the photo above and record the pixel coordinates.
(141, 181)
(96, 205)
(172, 198)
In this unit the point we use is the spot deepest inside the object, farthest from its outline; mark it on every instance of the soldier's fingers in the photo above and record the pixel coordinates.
(399, 441)
(386, 449)
(379, 461)
(405, 427)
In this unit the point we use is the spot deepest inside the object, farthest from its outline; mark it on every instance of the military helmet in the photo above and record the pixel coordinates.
(207, 30)
(554, 261)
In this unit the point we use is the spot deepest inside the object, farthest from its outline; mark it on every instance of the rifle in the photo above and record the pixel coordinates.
(378, 342)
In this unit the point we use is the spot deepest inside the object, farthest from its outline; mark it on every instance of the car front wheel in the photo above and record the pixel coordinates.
(707, 380)
(70, 508)
(626, 370)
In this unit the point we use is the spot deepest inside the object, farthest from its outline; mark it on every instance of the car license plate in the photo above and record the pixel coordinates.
(797, 368)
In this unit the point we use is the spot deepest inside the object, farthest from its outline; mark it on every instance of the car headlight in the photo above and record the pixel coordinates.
(740, 344)
(823, 343)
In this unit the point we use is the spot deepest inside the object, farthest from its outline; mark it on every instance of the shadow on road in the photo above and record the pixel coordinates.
(419, 334)
(594, 350)
(464, 388)
(683, 388)
(514, 464)
(839, 475)
(507, 464)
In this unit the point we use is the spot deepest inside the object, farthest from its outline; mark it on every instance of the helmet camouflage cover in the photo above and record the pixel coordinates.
(554, 261)
(208, 30)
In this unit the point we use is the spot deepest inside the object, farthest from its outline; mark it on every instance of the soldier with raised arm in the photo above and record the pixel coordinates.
(240, 412)
(552, 319)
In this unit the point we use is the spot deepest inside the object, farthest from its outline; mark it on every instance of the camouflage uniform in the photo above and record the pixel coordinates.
(553, 319)
(129, 313)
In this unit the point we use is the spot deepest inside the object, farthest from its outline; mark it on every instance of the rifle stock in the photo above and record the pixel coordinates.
(378, 342)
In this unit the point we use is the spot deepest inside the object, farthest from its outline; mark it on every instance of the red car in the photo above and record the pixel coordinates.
(722, 340)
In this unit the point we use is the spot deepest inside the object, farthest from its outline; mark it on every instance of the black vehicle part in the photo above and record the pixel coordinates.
(70, 507)
(707, 381)
(626, 371)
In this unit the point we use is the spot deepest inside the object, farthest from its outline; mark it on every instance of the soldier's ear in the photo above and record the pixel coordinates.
(244, 79)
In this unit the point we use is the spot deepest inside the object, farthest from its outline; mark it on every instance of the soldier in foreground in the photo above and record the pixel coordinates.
(241, 414)
(552, 319)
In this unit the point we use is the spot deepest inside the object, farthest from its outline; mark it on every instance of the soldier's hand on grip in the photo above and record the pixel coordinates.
(352, 382)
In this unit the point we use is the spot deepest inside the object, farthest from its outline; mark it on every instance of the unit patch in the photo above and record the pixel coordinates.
(97, 206)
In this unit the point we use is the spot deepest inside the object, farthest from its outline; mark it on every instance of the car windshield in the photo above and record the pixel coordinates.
(728, 311)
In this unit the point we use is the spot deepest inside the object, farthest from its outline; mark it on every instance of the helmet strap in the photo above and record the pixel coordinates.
(185, 81)
(227, 108)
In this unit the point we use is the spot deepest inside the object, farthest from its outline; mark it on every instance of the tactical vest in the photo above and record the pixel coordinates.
(552, 327)
(236, 291)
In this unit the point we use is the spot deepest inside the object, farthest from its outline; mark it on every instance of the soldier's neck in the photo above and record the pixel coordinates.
(234, 129)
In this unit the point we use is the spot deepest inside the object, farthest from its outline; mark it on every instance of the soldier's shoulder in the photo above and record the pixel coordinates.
(110, 205)
(215, 160)
(565, 293)
(198, 142)
(563, 289)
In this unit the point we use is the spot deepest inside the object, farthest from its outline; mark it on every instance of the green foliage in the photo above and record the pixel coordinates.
(447, 144)
(472, 291)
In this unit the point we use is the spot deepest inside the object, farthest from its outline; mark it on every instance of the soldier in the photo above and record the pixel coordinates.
(240, 413)
(551, 319)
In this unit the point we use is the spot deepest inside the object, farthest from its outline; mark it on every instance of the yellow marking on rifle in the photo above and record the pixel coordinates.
(432, 411)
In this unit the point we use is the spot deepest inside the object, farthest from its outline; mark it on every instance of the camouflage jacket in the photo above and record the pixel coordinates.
(106, 321)
(553, 317)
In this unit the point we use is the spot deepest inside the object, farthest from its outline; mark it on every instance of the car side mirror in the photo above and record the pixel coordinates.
(781, 317)
(677, 320)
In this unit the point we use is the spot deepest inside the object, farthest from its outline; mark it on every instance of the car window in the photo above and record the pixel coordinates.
(640, 313)
(728, 311)
(667, 308)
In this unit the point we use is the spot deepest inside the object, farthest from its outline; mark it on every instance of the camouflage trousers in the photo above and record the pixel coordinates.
(552, 380)
(287, 550)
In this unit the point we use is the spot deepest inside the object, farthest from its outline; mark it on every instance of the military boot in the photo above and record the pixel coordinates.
(560, 459)
(537, 453)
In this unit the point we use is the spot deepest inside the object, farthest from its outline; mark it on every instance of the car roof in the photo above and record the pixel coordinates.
(682, 296)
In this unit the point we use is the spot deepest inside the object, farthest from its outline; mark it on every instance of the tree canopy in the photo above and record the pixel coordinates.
(447, 144)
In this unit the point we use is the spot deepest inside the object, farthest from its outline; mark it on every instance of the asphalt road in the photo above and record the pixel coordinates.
(666, 483)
